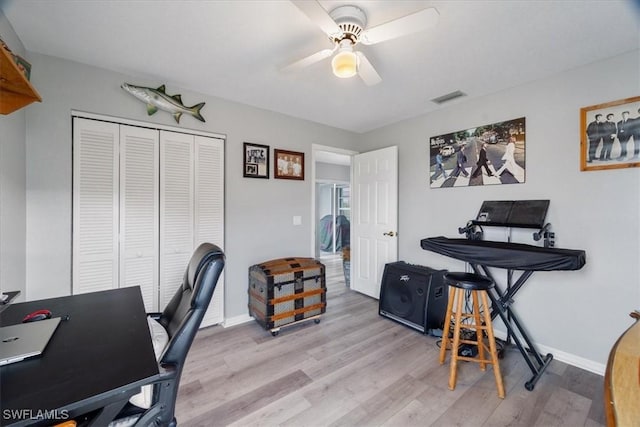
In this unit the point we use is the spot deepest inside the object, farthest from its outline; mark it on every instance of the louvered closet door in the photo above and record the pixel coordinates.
(176, 210)
(209, 209)
(95, 206)
(139, 211)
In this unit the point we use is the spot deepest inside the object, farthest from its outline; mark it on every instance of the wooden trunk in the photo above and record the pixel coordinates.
(285, 291)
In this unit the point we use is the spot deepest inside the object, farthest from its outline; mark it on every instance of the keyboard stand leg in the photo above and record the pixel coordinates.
(513, 324)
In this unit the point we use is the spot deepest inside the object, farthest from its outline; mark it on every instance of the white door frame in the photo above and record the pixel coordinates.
(314, 149)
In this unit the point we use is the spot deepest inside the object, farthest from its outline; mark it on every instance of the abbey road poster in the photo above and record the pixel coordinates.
(485, 155)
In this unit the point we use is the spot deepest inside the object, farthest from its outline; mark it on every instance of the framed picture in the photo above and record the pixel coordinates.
(610, 135)
(256, 160)
(490, 154)
(288, 164)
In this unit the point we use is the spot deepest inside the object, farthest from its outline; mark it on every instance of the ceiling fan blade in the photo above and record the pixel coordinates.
(309, 60)
(409, 24)
(318, 16)
(367, 73)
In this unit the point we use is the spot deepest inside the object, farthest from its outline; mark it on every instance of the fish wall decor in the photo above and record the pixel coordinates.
(157, 99)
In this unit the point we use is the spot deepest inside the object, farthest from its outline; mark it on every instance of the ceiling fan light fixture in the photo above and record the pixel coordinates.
(346, 26)
(345, 64)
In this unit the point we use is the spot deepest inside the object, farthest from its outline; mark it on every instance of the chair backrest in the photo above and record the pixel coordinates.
(181, 319)
(183, 315)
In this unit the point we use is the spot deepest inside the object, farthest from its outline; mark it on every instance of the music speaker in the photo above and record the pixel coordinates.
(413, 295)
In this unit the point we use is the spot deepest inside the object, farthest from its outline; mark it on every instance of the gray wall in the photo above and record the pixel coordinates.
(324, 201)
(580, 313)
(258, 212)
(12, 185)
(334, 173)
(323, 207)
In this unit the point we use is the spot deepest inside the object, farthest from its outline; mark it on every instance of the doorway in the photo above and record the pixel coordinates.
(373, 229)
(333, 205)
(331, 196)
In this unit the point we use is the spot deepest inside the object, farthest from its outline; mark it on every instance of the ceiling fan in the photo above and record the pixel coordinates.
(346, 26)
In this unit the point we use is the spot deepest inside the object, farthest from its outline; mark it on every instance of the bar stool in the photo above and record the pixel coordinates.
(480, 322)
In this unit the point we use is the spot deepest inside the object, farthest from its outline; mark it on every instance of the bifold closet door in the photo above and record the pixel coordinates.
(191, 209)
(95, 205)
(176, 210)
(143, 200)
(139, 212)
(209, 210)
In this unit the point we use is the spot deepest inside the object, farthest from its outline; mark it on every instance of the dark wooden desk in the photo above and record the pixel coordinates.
(97, 358)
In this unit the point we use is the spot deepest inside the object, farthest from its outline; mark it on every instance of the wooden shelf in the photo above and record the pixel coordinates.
(15, 90)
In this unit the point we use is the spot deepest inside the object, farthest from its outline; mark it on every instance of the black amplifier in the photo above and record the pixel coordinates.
(414, 295)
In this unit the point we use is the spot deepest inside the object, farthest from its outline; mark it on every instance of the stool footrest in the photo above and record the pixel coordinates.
(464, 315)
(475, 359)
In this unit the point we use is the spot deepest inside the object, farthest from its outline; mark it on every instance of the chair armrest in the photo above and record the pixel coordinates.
(161, 412)
(154, 316)
(167, 371)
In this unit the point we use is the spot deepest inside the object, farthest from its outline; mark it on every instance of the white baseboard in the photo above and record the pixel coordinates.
(236, 320)
(568, 358)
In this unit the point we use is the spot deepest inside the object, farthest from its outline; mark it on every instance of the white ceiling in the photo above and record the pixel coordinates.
(234, 49)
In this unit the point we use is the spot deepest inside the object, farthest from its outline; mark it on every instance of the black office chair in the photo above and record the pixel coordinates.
(181, 318)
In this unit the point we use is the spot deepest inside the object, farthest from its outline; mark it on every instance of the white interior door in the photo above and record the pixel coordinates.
(374, 218)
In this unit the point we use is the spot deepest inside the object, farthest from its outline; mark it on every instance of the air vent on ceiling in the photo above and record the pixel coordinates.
(448, 97)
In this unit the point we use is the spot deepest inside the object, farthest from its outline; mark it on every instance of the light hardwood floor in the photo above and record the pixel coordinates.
(356, 368)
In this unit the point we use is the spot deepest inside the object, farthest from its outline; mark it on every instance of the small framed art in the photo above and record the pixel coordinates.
(256, 160)
(610, 135)
(288, 164)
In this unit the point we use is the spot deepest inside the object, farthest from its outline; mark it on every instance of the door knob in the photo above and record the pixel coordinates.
(390, 234)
